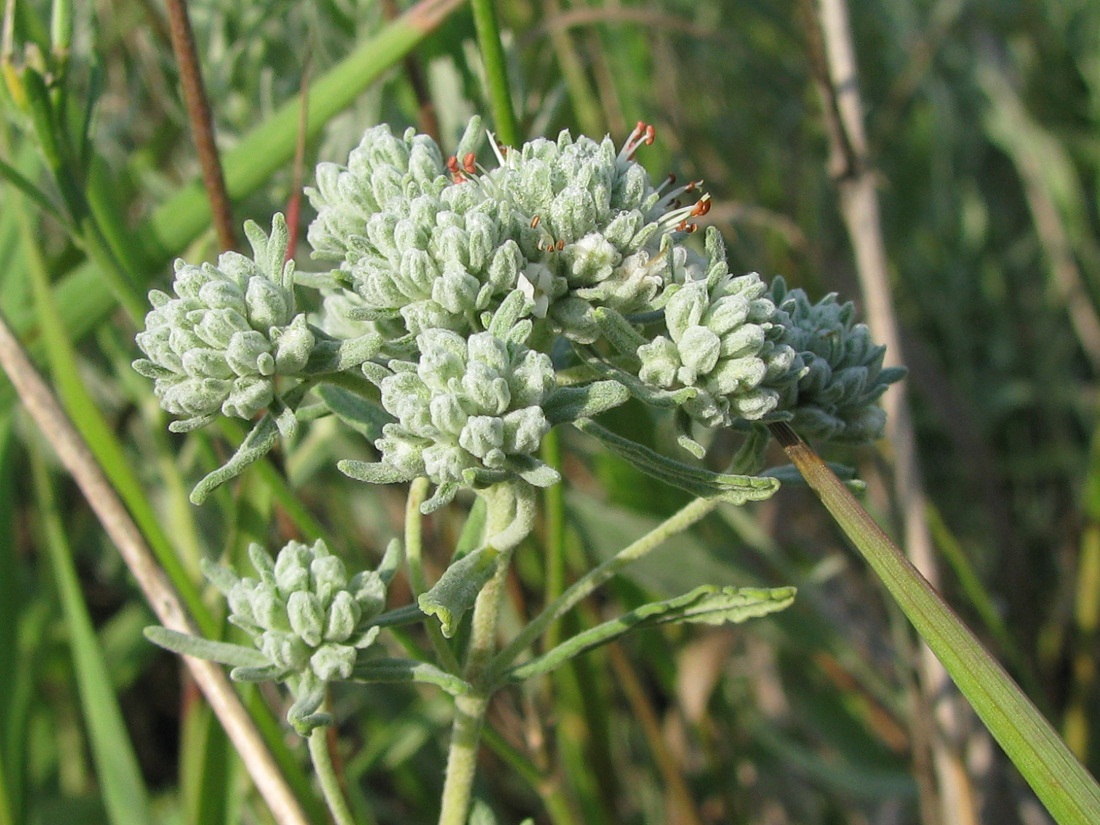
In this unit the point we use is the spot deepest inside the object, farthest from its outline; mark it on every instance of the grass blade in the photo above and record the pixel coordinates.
(1063, 785)
(120, 781)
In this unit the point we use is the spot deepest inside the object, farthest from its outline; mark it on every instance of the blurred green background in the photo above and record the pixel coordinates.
(984, 126)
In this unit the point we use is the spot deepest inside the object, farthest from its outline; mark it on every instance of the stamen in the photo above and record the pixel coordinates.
(456, 172)
(678, 219)
(535, 221)
(643, 133)
(469, 163)
(498, 150)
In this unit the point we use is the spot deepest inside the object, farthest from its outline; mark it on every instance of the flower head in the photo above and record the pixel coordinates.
(470, 412)
(723, 341)
(308, 618)
(231, 329)
(841, 374)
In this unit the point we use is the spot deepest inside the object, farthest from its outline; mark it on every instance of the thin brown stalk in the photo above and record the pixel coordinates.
(294, 204)
(681, 806)
(202, 124)
(159, 592)
(837, 80)
(427, 119)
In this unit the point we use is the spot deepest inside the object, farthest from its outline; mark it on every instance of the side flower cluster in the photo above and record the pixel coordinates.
(472, 404)
(305, 615)
(231, 329)
(722, 339)
(841, 376)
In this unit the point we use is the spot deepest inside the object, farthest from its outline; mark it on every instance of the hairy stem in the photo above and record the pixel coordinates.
(510, 513)
(326, 775)
(674, 524)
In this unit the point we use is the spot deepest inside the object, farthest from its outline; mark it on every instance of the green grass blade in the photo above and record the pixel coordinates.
(97, 434)
(1063, 785)
(120, 781)
(10, 605)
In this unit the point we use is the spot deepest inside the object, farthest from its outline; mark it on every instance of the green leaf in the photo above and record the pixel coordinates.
(571, 403)
(408, 670)
(338, 356)
(258, 443)
(224, 653)
(698, 481)
(707, 604)
(371, 472)
(119, 775)
(30, 191)
(457, 588)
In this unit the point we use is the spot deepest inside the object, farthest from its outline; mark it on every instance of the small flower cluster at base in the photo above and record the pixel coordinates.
(305, 615)
(219, 345)
(841, 375)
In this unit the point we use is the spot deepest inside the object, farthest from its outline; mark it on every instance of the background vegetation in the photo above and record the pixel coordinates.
(984, 128)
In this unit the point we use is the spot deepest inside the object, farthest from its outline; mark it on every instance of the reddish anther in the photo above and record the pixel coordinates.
(535, 221)
(453, 168)
(468, 163)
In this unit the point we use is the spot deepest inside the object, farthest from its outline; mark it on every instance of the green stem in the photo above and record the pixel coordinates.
(675, 523)
(509, 518)
(554, 512)
(496, 71)
(414, 545)
(326, 774)
(1063, 785)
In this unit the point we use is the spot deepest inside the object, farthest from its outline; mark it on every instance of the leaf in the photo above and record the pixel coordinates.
(571, 403)
(255, 446)
(224, 653)
(708, 604)
(338, 356)
(371, 472)
(700, 482)
(408, 670)
(457, 588)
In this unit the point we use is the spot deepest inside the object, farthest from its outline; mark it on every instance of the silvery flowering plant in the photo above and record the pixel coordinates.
(471, 304)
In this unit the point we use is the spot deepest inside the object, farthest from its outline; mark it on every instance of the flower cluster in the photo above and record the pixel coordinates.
(456, 283)
(219, 345)
(305, 615)
(724, 341)
(841, 375)
(471, 405)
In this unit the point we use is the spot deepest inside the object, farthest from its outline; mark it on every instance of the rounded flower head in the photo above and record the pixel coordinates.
(470, 412)
(841, 375)
(231, 329)
(721, 341)
(381, 169)
(593, 228)
(305, 615)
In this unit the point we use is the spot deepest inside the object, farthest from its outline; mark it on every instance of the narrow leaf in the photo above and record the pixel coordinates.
(224, 653)
(407, 670)
(700, 482)
(1063, 785)
(457, 588)
(571, 403)
(707, 604)
(255, 446)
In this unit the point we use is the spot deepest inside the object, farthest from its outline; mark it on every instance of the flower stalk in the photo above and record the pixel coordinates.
(509, 517)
